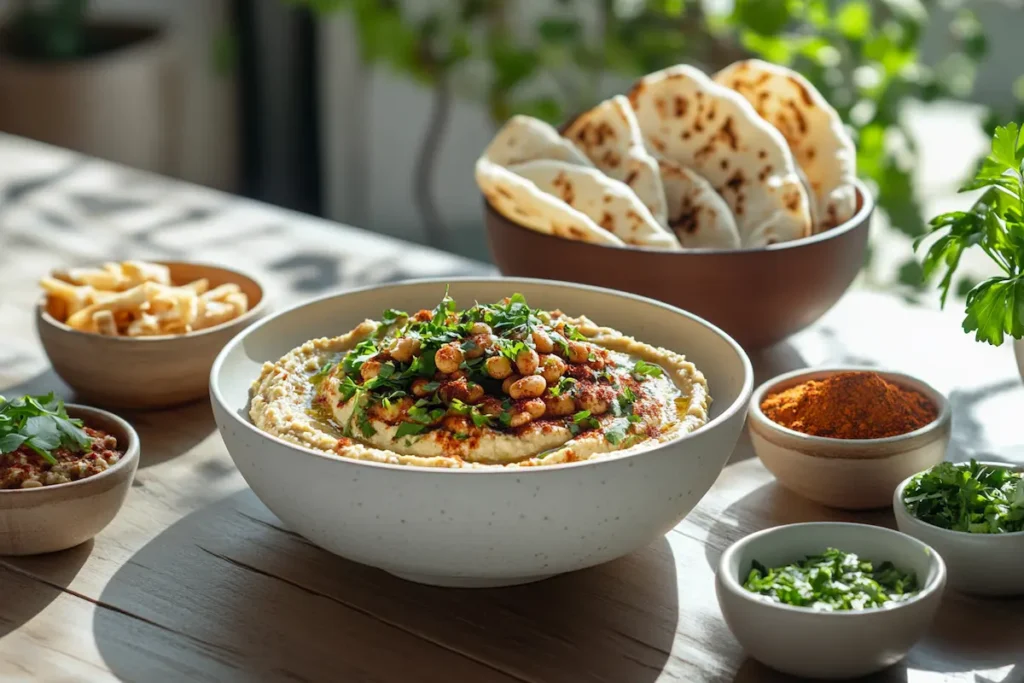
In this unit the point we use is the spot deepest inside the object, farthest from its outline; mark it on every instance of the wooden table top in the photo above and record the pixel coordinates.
(196, 580)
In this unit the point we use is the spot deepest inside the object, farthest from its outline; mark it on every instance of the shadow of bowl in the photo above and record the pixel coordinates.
(228, 594)
(758, 296)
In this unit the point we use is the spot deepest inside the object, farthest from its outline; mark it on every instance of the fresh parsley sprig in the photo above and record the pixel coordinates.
(995, 224)
(40, 423)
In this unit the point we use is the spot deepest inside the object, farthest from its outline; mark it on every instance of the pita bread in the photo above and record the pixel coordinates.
(520, 201)
(811, 126)
(697, 214)
(610, 137)
(606, 201)
(524, 138)
(687, 118)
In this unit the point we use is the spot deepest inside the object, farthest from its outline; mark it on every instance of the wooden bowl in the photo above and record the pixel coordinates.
(850, 474)
(146, 372)
(51, 518)
(758, 296)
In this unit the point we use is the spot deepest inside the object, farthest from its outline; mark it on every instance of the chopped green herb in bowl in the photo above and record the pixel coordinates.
(832, 581)
(972, 497)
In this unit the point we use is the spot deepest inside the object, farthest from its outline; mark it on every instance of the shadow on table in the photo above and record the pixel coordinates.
(774, 505)
(166, 434)
(26, 593)
(42, 383)
(228, 594)
(752, 671)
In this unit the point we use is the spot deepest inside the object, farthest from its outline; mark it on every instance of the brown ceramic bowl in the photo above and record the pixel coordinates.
(758, 296)
(147, 372)
(51, 518)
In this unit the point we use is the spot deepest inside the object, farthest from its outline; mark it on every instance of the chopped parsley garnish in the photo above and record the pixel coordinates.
(573, 333)
(616, 431)
(644, 369)
(971, 497)
(564, 384)
(832, 581)
(42, 424)
(322, 373)
(409, 429)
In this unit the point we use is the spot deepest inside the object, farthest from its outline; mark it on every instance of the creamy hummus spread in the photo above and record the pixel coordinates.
(494, 385)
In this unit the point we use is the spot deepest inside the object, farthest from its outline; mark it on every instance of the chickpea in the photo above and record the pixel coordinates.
(579, 352)
(498, 367)
(448, 358)
(457, 424)
(542, 341)
(489, 405)
(551, 368)
(531, 410)
(535, 407)
(418, 387)
(404, 349)
(478, 344)
(506, 385)
(560, 406)
(594, 403)
(369, 369)
(474, 392)
(527, 362)
(527, 387)
(480, 328)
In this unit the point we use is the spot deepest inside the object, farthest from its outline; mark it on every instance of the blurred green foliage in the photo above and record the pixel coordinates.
(863, 55)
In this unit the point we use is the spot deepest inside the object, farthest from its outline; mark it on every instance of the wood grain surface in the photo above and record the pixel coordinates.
(196, 580)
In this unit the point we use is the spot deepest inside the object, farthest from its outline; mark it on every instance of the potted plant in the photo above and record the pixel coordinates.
(95, 86)
(994, 224)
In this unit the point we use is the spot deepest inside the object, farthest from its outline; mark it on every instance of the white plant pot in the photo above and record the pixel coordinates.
(1018, 350)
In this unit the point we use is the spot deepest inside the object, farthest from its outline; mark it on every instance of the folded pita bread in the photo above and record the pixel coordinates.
(687, 118)
(524, 138)
(522, 202)
(606, 201)
(697, 214)
(811, 126)
(610, 137)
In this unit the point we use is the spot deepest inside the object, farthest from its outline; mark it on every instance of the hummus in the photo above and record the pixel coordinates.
(494, 385)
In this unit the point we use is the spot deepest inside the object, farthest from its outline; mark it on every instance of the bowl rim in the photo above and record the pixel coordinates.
(732, 584)
(942, 418)
(899, 508)
(131, 452)
(259, 308)
(737, 405)
(859, 218)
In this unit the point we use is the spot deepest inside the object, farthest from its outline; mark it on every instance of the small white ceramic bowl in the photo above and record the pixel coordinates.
(830, 645)
(852, 474)
(482, 527)
(51, 518)
(979, 564)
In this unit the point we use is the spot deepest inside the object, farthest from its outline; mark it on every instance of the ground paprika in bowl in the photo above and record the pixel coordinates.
(846, 437)
(850, 405)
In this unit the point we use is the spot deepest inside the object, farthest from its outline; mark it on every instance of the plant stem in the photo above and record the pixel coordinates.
(426, 159)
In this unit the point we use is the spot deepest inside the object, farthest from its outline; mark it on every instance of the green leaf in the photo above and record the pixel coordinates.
(1006, 151)
(10, 442)
(644, 369)
(854, 19)
(409, 429)
(994, 308)
(558, 30)
(766, 17)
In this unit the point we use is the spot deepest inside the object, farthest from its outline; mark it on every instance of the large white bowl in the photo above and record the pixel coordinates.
(491, 527)
(827, 645)
(979, 564)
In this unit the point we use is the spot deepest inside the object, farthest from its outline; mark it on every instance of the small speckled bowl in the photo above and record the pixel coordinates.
(828, 645)
(853, 474)
(51, 518)
(979, 564)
